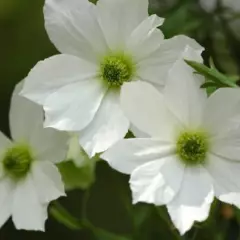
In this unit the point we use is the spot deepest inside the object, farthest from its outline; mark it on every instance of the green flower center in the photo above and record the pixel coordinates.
(117, 69)
(17, 161)
(192, 147)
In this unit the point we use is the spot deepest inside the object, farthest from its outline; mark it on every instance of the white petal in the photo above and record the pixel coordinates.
(155, 68)
(119, 18)
(192, 203)
(73, 27)
(108, 126)
(146, 38)
(190, 195)
(6, 197)
(4, 143)
(47, 181)
(26, 124)
(225, 177)
(128, 154)
(227, 145)
(137, 133)
(27, 212)
(25, 117)
(183, 93)
(53, 73)
(74, 106)
(50, 145)
(222, 109)
(184, 216)
(146, 109)
(157, 182)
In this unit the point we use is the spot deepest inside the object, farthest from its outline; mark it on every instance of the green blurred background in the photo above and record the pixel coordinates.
(107, 203)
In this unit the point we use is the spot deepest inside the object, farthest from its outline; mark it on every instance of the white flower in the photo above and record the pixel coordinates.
(103, 46)
(28, 178)
(192, 152)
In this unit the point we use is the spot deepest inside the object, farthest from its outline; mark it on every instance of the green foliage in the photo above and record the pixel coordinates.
(212, 75)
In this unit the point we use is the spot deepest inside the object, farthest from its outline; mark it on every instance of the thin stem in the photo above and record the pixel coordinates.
(64, 217)
(84, 203)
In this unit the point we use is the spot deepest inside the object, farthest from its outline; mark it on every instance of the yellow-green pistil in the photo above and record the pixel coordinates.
(17, 161)
(192, 147)
(117, 69)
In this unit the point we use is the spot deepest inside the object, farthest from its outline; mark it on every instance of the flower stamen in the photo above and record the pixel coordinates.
(192, 147)
(117, 69)
(17, 161)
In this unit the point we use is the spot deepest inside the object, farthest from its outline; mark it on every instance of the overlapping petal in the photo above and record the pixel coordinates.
(118, 18)
(108, 126)
(27, 212)
(153, 182)
(6, 197)
(219, 120)
(183, 94)
(74, 106)
(74, 29)
(156, 67)
(50, 75)
(26, 124)
(146, 38)
(193, 201)
(146, 109)
(225, 174)
(184, 216)
(128, 154)
(47, 182)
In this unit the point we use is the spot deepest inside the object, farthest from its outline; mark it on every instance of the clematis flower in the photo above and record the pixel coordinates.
(29, 179)
(190, 152)
(103, 47)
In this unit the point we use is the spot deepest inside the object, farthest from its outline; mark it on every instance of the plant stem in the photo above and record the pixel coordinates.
(64, 217)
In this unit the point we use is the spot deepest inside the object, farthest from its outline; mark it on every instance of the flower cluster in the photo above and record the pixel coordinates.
(117, 73)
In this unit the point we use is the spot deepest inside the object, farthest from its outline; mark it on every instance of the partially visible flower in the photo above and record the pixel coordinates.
(78, 170)
(104, 46)
(28, 178)
(232, 10)
(192, 152)
(210, 5)
(76, 152)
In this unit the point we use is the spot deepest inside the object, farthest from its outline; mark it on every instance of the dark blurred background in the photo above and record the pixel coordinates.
(23, 42)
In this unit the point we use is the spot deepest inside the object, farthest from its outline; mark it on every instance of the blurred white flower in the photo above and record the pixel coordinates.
(193, 150)
(103, 46)
(29, 179)
(232, 5)
(76, 152)
(210, 5)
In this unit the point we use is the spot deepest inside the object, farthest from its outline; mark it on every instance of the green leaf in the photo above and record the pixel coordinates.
(101, 234)
(208, 85)
(74, 177)
(212, 74)
(141, 212)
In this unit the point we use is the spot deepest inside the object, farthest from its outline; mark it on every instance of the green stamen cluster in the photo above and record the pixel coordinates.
(117, 69)
(192, 147)
(17, 161)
